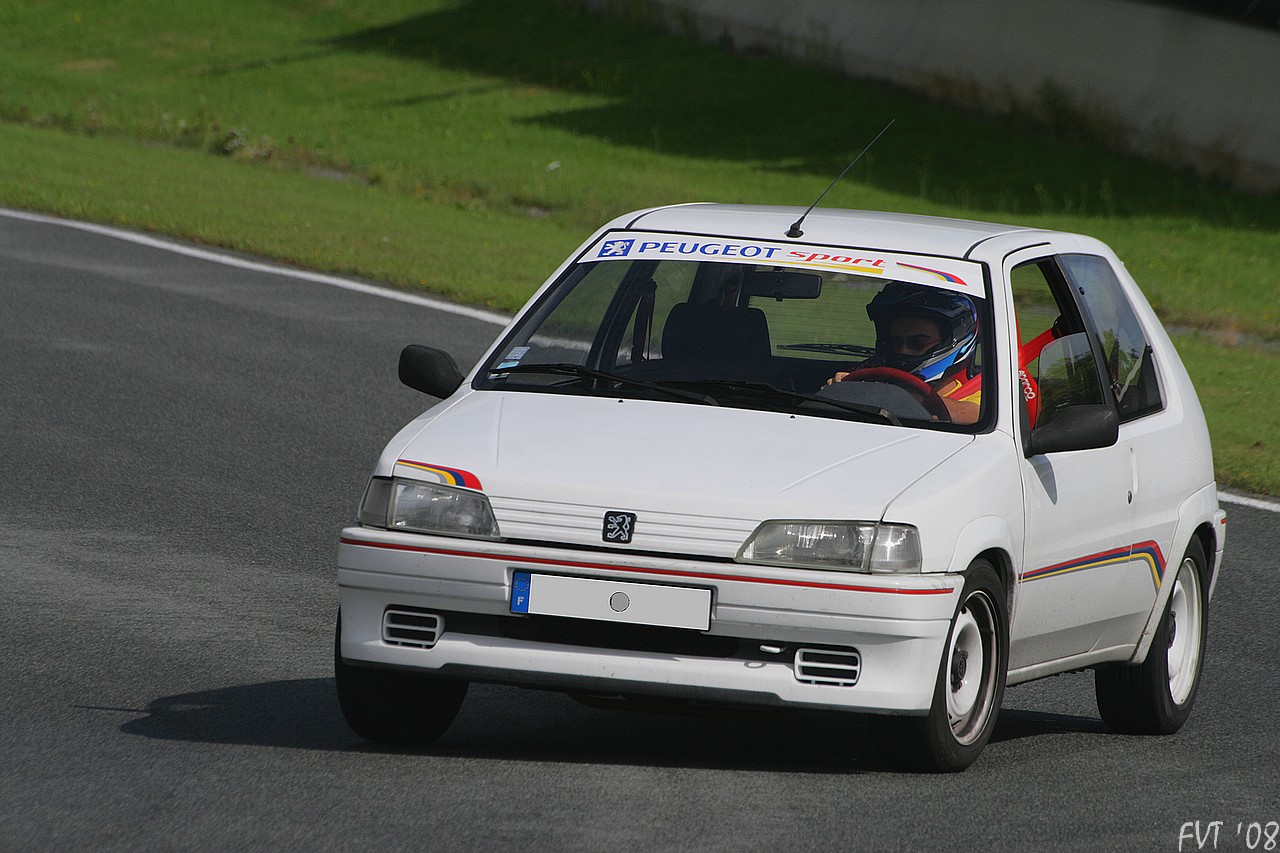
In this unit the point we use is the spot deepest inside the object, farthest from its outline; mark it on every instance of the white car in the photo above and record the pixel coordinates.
(877, 463)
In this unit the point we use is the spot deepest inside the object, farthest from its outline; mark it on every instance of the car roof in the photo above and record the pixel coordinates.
(826, 226)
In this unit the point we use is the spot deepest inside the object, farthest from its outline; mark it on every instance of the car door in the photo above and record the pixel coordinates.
(1078, 511)
(1154, 443)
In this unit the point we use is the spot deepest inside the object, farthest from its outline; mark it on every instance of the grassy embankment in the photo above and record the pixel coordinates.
(464, 147)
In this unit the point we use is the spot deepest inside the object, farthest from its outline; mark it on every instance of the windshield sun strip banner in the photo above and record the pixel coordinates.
(947, 273)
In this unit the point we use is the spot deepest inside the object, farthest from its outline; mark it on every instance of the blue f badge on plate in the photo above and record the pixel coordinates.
(618, 527)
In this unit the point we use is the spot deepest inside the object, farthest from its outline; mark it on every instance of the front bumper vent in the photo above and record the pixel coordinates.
(414, 628)
(839, 667)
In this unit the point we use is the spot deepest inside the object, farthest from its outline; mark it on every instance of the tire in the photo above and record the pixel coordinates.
(969, 686)
(1155, 696)
(392, 707)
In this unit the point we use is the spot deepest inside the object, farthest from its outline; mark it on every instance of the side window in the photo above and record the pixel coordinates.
(1066, 375)
(1057, 366)
(671, 284)
(1127, 355)
(1035, 306)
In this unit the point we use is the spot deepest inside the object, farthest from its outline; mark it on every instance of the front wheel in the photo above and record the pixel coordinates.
(970, 684)
(1155, 697)
(392, 707)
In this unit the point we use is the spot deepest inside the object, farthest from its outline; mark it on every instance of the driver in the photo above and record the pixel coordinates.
(931, 334)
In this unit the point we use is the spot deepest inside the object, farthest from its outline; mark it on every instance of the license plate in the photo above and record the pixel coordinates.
(611, 601)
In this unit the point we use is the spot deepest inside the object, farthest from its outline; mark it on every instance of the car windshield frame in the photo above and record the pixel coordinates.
(614, 313)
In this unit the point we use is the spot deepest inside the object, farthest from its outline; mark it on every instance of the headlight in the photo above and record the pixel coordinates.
(850, 546)
(419, 507)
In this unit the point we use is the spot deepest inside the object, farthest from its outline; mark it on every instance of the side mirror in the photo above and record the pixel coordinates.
(1075, 428)
(429, 370)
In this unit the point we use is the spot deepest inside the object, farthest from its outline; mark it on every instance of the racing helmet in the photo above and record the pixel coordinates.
(957, 320)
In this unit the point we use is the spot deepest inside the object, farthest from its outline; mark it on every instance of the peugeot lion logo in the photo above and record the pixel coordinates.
(618, 527)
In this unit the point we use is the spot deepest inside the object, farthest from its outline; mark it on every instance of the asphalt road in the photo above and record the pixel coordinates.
(182, 441)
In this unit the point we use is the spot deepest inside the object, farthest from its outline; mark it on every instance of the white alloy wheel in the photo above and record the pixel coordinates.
(967, 690)
(1186, 624)
(970, 675)
(966, 652)
(1155, 697)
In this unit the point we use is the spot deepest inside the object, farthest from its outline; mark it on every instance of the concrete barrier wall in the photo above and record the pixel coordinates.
(1181, 87)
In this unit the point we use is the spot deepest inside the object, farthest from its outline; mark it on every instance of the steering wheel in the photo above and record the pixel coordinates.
(930, 398)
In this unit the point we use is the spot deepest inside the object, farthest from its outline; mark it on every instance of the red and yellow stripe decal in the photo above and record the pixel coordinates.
(447, 476)
(950, 278)
(1146, 552)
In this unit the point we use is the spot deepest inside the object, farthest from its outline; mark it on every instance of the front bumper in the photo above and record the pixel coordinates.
(760, 618)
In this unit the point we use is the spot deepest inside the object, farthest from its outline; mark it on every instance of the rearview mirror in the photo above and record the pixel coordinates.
(429, 370)
(782, 284)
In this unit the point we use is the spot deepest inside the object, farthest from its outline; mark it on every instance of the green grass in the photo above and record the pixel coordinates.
(465, 146)
(1236, 389)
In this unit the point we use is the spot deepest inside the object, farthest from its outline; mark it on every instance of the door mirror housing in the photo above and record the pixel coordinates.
(429, 370)
(1075, 428)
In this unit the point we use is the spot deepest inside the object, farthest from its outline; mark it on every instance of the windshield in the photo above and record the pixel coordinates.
(800, 329)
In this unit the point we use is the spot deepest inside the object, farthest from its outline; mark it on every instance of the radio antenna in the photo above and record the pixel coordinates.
(794, 230)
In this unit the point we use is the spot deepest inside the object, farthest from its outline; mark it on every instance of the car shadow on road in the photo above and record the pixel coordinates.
(1015, 725)
(510, 724)
(297, 714)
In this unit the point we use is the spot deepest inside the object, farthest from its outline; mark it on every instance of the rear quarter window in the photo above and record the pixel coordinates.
(1127, 354)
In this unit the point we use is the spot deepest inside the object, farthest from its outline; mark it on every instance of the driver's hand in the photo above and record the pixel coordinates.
(839, 377)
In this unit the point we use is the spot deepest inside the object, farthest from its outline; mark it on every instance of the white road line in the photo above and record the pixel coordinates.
(255, 266)
(1254, 503)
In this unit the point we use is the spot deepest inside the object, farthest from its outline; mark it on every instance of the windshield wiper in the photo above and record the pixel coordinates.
(847, 349)
(766, 388)
(577, 370)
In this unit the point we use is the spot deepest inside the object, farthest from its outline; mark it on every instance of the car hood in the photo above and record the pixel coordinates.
(698, 478)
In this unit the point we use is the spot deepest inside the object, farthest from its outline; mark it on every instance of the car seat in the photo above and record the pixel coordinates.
(715, 341)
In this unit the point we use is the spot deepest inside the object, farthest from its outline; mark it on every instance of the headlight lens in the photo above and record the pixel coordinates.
(851, 546)
(419, 507)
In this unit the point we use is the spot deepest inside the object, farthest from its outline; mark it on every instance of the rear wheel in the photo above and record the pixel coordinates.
(1155, 697)
(391, 707)
(970, 684)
